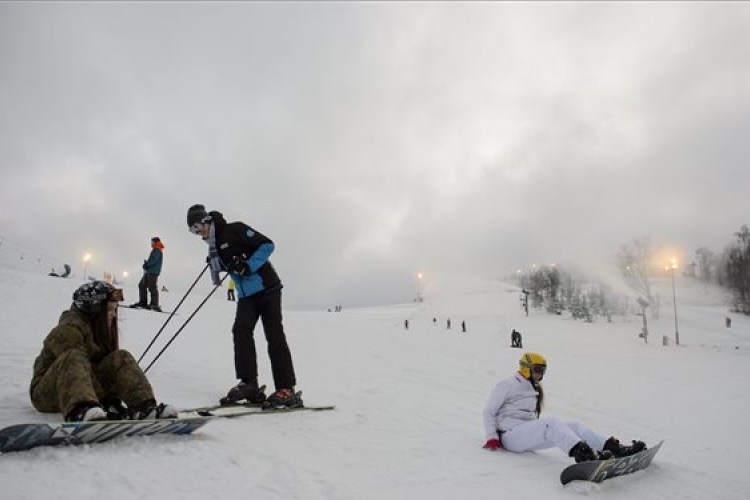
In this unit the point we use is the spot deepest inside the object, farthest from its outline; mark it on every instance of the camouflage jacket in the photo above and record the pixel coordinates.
(72, 332)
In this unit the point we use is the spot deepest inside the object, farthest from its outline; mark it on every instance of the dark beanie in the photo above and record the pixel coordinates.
(196, 213)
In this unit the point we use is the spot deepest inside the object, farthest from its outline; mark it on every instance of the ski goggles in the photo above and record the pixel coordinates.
(196, 228)
(538, 369)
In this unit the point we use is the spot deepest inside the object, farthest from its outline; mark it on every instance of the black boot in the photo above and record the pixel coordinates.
(582, 452)
(618, 450)
(244, 391)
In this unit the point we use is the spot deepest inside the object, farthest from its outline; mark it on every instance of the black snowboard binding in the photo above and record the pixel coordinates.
(582, 452)
(618, 450)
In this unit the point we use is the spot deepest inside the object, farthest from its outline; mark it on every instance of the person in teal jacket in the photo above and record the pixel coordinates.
(151, 272)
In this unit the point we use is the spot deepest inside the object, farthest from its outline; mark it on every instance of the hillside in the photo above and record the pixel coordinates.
(408, 418)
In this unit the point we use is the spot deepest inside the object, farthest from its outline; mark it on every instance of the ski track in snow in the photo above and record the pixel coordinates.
(408, 422)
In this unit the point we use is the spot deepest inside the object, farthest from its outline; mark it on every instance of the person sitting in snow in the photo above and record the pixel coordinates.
(81, 371)
(511, 420)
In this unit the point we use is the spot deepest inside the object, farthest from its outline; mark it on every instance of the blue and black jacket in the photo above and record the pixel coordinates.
(238, 240)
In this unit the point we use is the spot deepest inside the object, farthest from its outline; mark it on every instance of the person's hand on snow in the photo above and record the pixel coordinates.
(492, 445)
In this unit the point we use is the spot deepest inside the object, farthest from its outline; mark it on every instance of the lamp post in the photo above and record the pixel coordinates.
(419, 287)
(672, 268)
(86, 259)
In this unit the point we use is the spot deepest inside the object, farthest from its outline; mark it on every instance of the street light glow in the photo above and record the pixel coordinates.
(86, 259)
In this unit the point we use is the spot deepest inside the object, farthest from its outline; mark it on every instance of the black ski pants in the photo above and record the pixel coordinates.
(266, 307)
(148, 283)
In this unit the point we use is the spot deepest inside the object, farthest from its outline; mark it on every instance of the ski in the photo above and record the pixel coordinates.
(148, 309)
(243, 410)
(232, 409)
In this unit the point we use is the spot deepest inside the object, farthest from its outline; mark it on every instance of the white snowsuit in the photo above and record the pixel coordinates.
(511, 409)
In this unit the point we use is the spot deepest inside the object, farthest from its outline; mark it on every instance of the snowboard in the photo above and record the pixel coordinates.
(597, 471)
(27, 436)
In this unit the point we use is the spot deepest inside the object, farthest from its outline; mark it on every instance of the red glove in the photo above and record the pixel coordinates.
(493, 444)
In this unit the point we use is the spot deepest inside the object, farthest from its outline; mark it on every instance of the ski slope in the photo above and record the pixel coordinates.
(408, 421)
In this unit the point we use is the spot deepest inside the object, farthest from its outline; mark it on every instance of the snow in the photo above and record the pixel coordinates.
(408, 419)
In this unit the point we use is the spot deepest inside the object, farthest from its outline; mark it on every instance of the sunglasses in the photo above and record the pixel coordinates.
(196, 228)
(539, 369)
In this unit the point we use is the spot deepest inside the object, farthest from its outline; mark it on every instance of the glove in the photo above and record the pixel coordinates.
(144, 264)
(239, 266)
(492, 445)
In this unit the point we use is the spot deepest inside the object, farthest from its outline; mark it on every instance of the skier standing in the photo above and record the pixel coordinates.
(243, 252)
(511, 420)
(81, 371)
(151, 271)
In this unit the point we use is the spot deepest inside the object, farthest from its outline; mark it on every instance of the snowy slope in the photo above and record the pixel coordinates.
(408, 419)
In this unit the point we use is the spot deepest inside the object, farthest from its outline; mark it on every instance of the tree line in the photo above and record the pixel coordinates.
(556, 289)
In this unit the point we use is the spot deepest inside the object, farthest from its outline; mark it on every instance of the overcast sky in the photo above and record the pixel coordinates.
(371, 141)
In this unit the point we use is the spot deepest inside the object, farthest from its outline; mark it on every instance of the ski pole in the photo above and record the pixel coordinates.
(185, 323)
(173, 313)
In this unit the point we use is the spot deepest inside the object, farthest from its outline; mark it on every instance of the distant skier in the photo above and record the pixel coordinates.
(151, 271)
(463, 326)
(82, 372)
(406, 324)
(515, 339)
(511, 420)
(243, 252)
(448, 324)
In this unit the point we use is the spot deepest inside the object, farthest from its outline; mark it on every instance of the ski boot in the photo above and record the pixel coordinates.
(284, 398)
(244, 391)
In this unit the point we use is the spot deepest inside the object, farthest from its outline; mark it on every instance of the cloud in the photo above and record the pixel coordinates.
(371, 141)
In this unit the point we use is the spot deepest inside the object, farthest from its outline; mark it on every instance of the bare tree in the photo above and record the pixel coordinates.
(634, 261)
(705, 259)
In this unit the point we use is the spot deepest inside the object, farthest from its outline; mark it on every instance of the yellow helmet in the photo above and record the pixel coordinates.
(528, 361)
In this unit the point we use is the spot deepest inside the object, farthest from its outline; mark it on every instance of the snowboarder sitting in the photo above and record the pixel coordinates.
(81, 371)
(515, 339)
(511, 420)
